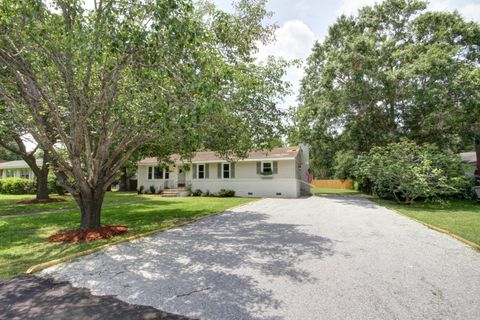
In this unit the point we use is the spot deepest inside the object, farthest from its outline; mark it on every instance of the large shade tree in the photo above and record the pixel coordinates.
(14, 138)
(132, 73)
(394, 70)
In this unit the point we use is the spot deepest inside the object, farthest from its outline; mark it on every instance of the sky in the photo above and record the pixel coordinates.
(302, 22)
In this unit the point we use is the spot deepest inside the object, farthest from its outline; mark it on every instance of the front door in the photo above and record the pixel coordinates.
(181, 177)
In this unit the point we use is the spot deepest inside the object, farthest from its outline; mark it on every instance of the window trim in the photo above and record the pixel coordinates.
(229, 170)
(9, 173)
(271, 166)
(25, 174)
(152, 174)
(204, 170)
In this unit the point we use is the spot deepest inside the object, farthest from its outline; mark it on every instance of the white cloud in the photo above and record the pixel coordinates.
(469, 10)
(294, 40)
(351, 7)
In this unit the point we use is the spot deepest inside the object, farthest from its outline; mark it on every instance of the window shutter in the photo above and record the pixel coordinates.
(259, 167)
(275, 167)
(194, 171)
(232, 170)
(207, 173)
(219, 170)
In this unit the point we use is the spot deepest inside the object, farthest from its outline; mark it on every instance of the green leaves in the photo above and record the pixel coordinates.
(393, 71)
(143, 72)
(406, 171)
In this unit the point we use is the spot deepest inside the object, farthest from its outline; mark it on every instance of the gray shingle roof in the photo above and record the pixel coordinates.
(210, 156)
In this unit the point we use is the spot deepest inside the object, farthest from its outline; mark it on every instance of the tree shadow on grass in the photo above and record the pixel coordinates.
(23, 239)
(211, 269)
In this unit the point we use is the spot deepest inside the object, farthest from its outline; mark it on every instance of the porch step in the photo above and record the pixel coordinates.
(173, 192)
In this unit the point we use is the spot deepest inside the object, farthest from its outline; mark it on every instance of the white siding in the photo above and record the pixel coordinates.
(17, 173)
(251, 187)
(159, 184)
(247, 183)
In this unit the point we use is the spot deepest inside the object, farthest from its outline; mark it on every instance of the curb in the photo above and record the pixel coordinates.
(44, 265)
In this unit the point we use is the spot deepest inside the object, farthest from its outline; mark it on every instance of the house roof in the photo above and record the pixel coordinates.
(469, 157)
(17, 164)
(281, 153)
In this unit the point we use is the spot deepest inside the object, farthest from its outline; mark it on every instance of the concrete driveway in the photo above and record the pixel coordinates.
(311, 258)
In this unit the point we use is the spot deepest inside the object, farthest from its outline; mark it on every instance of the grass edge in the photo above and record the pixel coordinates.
(431, 226)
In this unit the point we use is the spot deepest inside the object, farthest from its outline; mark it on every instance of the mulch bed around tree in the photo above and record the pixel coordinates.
(36, 201)
(79, 236)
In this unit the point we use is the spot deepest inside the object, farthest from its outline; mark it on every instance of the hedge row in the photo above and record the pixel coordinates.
(17, 186)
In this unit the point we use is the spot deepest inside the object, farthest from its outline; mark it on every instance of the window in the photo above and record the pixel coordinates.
(10, 173)
(226, 170)
(157, 173)
(267, 167)
(201, 171)
(24, 174)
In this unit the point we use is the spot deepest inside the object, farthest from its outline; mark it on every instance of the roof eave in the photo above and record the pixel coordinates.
(222, 160)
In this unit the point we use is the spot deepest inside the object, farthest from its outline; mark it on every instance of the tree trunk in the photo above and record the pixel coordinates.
(90, 203)
(42, 178)
(42, 185)
(123, 180)
(477, 151)
(127, 186)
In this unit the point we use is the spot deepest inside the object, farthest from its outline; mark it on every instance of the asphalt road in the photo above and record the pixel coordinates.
(35, 298)
(311, 258)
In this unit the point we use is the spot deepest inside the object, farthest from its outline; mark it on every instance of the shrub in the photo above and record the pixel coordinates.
(17, 186)
(344, 162)
(226, 193)
(152, 189)
(53, 186)
(406, 171)
(197, 193)
(140, 190)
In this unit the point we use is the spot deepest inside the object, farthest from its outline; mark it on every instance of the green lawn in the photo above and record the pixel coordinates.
(461, 217)
(22, 239)
(334, 191)
(9, 203)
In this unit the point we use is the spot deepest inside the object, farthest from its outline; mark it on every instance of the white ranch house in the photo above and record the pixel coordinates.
(280, 172)
(17, 169)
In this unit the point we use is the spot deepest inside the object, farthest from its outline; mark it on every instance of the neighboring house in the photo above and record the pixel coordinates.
(470, 161)
(17, 169)
(280, 172)
(469, 157)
